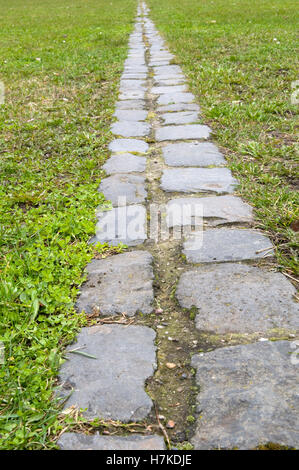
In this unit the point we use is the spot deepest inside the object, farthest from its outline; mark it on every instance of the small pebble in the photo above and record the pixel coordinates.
(170, 424)
(170, 365)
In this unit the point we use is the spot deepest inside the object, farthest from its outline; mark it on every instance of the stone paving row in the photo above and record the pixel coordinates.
(122, 356)
(247, 393)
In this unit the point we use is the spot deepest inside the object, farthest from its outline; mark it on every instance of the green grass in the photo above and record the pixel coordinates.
(239, 56)
(60, 63)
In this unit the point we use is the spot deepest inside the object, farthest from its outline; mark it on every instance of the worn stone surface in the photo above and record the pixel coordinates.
(192, 154)
(170, 76)
(118, 284)
(121, 225)
(175, 98)
(131, 115)
(131, 128)
(158, 62)
(132, 95)
(137, 50)
(236, 298)
(216, 210)
(163, 54)
(123, 189)
(184, 117)
(136, 69)
(132, 85)
(134, 62)
(167, 70)
(128, 145)
(169, 81)
(160, 90)
(178, 107)
(73, 441)
(189, 131)
(248, 397)
(131, 105)
(134, 59)
(192, 180)
(124, 163)
(111, 385)
(226, 245)
(134, 75)
(160, 56)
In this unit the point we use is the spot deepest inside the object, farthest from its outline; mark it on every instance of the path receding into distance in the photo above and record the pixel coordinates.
(163, 165)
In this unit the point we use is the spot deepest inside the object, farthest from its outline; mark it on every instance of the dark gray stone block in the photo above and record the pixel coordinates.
(175, 98)
(121, 225)
(178, 107)
(169, 81)
(183, 117)
(192, 180)
(236, 298)
(132, 85)
(187, 132)
(131, 128)
(160, 55)
(128, 145)
(124, 163)
(167, 69)
(248, 397)
(132, 95)
(123, 189)
(134, 76)
(130, 104)
(135, 62)
(160, 90)
(226, 245)
(136, 69)
(216, 210)
(73, 441)
(118, 284)
(158, 62)
(192, 154)
(112, 385)
(131, 115)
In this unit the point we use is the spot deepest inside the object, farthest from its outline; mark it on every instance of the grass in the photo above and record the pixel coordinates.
(239, 57)
(60, 63)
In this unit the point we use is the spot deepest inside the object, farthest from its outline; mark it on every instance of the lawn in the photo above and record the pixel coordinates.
(240, 60)
(60, 62)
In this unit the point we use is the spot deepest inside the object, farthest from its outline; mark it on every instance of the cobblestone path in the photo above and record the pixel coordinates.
(199, 343)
